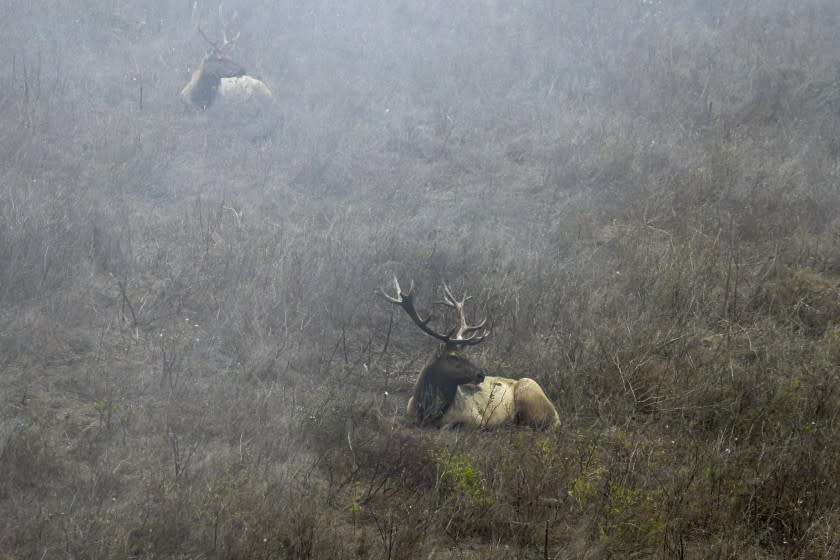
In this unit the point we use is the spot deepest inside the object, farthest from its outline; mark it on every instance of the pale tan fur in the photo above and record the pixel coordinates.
(231, 99)
(533, 406)
(497, 401)
(238, 90)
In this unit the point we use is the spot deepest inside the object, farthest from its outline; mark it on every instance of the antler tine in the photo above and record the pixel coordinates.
(464, 333)
(228, 43)
(410, 285)
(461, 335)
(206, 38)
(223, 23)
(399, 298)
(450, 300)
(473, 329)
(406, 301)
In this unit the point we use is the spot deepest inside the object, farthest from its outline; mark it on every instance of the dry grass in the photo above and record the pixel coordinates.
(641, 197)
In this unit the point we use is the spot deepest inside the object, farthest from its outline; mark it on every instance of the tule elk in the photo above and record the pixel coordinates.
(452, 391)
(223, 90)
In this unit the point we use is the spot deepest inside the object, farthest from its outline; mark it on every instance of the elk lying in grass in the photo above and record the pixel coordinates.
(223, 89)
(452, 391)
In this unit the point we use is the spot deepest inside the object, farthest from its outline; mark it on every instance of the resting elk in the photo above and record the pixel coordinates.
(223, 89)
(452, 391)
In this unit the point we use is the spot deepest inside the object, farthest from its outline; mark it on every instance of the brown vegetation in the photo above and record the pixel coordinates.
(193, 359)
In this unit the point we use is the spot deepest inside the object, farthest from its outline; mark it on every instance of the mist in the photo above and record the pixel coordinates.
(640, 198)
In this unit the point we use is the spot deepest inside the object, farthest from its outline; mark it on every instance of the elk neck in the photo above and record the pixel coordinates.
(433, 392)
(204, 86)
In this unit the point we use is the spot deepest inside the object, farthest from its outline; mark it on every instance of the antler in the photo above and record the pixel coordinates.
(213, 44)
(226, 42)
(462, 335)
(464, 331)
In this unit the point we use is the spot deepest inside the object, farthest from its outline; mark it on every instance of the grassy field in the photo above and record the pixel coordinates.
(642, 197)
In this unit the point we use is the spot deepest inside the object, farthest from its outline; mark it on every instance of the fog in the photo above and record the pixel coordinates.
(640, 197)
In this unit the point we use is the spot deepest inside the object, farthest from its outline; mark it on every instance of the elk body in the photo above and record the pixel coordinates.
(223, 90)
(452, 391)
(221, 82)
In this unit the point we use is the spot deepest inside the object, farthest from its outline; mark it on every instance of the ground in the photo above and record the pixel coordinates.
(641, 197)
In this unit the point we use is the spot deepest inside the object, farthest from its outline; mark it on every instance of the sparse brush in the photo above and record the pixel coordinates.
(193, 359)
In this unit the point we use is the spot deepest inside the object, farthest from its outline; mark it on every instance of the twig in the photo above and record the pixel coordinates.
(127, 303)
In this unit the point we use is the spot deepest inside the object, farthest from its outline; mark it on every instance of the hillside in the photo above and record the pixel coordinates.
(643, 198)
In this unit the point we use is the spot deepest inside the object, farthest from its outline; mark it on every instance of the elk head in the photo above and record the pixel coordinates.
(447, 369)
(206, 79)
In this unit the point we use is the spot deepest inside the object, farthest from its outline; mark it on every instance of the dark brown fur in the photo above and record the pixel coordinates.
(201, 91)
(435, 388)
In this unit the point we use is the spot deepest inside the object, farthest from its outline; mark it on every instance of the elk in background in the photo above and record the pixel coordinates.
(223, 89)
(452, 391)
